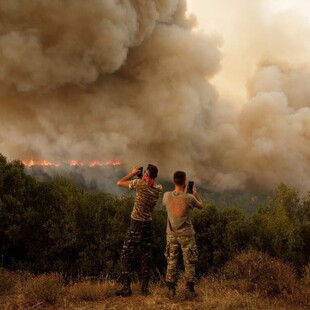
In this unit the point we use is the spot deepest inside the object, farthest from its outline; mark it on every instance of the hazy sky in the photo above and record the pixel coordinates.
(251, 32)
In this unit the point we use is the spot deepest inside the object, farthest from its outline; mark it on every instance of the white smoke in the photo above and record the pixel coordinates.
(128, 80)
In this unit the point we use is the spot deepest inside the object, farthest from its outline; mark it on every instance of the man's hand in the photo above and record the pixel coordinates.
(124, 181)
(135, 170)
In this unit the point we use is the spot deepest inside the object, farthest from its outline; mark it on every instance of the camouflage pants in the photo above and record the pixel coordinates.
(138, 234)
(175, 246)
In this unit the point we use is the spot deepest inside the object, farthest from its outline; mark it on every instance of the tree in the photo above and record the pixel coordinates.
(15, 187)
(277, 228)
(220, 235)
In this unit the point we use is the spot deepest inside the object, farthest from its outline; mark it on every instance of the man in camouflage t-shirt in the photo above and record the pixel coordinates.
(140, 231)
(181, 233)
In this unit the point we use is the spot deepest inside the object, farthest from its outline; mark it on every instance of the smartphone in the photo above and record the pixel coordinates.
(140, 173)
(190, 187)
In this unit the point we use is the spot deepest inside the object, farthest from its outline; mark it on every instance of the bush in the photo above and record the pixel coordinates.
(46, 289)
(258, 272)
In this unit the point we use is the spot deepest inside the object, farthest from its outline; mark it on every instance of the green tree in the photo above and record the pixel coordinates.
(219, 234)
(15, 187)
(277, 227)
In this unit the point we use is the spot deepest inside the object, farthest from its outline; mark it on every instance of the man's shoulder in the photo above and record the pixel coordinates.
(191, 200)
(189, 196)
(167, 193)
(143, 185)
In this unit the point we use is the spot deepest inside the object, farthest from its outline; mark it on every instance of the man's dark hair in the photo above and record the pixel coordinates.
(152, 170)
(179, 177)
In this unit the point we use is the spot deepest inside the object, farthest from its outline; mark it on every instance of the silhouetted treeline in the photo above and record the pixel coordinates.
(56, 226)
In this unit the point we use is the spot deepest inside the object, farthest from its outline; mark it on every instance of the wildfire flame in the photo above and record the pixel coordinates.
(104, 163)
(73, 162)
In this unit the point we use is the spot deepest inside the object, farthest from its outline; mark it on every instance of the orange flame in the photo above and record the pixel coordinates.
(31, 163)
(73, 162)
(95, 163)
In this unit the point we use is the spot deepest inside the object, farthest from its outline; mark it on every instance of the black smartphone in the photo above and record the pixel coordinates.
(190, 187)
(140, 173)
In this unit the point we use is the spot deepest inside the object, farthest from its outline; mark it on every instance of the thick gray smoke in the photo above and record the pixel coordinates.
(267, 141)
(128, 80)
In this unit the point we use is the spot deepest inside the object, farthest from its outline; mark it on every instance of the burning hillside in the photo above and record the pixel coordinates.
(94, 176)
(73, 162)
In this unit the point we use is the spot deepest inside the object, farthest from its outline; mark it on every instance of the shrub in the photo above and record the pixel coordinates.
(258, 272)
(45, 289)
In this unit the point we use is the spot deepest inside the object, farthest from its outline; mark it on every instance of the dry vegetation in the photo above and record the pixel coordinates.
(250, 281)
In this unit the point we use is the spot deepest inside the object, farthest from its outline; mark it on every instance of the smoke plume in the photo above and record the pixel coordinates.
(130, 80)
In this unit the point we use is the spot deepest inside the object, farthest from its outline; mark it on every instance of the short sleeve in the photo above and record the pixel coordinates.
(160, 189)
(164, 200)
(133, 184)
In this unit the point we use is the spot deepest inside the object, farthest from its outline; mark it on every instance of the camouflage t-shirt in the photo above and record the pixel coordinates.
(178, 207)
(146, 198)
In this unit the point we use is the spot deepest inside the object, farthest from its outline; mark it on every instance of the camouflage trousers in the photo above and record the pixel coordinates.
(139, 234)
(175, 246)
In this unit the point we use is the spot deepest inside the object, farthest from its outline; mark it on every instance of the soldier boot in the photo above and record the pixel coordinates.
(145, 286)
(190, 292)
(171, 289)
(125, 291)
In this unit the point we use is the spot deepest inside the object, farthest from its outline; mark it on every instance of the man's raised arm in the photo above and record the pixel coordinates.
(198, 199)
(124, 181)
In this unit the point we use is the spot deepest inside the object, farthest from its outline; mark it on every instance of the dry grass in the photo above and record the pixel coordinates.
(91, 291)
(46, 289)
(20, 291)
(33, 291)
(8, 282)
(306, 278)
(214, 294)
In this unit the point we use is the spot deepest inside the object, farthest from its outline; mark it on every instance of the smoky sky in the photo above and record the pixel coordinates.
(130, 80)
